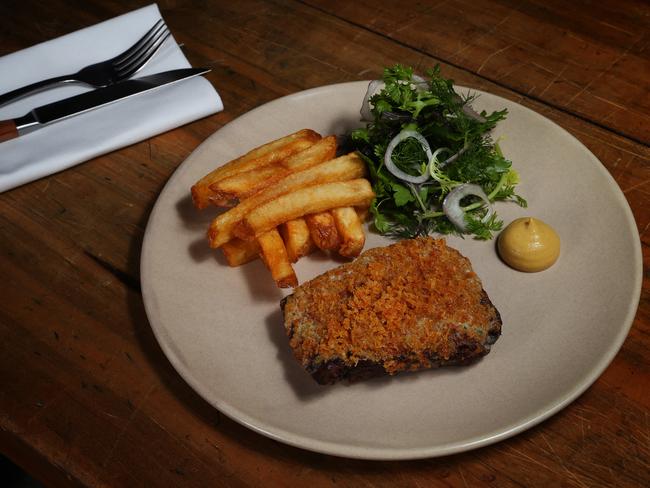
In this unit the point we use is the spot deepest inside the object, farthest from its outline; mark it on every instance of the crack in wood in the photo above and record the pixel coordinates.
(123, 277)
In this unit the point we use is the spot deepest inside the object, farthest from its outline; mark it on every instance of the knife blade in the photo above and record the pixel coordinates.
(92, 100)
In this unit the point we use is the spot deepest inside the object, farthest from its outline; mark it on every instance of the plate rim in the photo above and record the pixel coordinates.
(385, 453)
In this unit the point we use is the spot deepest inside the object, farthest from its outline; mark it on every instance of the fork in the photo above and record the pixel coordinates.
(107, 72)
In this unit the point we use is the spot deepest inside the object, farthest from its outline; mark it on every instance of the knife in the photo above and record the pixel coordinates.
(63, 109)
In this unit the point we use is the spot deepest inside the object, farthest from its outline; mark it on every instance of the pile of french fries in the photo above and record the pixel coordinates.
(287, 198)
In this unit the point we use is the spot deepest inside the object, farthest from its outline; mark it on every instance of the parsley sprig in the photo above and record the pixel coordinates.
(444, 118)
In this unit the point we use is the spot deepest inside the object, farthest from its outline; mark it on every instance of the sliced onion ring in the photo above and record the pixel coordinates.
(420, 83)
(388, 157)
(449, 160)
(438, 151)
(453, 158)
(455, 213)
(373, 87)
(366, 114)
(473, 114)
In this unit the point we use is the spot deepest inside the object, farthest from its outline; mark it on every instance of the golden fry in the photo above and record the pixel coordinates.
(312, 199)
(274, 255)
(238, 252)
(232, 189)
(242, 185)
(350, 231)
(269, 153)
(344, 168)
(297, 239)
(323, 150)
(363, 213)
(322, 229)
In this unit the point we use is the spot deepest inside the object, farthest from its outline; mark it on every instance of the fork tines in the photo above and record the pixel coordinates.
(134, 58)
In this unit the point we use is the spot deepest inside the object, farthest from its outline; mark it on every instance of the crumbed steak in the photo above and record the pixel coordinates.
(413, 305)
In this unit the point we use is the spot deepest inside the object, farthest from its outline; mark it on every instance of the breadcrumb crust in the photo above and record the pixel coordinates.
(406, 306)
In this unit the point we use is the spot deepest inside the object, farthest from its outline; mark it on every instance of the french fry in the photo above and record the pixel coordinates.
(343, 168)
(241, 185)
(232, 189)
(322, 229)
(312, 199)
(323, 150)
(268, 153)
(363, 213)
(297, 239)
(238, 252)
(350, 231)
(274, 255)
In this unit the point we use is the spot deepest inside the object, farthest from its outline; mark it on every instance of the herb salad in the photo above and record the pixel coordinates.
(432, 161)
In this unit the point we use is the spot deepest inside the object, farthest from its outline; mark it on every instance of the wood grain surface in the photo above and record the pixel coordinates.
(87, 396)
(7, 130)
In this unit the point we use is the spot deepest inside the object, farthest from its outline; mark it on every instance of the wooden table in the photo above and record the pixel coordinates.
(86, 395)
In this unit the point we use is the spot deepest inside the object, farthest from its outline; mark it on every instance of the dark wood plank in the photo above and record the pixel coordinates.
(586, 58)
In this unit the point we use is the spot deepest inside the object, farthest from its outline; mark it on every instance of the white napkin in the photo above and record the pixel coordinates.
(61, 145)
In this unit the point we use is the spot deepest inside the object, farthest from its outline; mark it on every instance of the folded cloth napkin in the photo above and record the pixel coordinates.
(61, 145)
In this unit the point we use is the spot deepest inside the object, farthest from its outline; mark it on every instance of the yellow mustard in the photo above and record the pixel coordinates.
(528, 244)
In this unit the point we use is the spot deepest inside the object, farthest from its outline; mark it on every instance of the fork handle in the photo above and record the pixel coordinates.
(34, 87)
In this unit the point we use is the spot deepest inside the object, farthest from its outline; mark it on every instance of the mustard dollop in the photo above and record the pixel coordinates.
(528, 244)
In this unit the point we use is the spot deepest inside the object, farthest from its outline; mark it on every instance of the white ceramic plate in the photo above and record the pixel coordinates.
(222, 328)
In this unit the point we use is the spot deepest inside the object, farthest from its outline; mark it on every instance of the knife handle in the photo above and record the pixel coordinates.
(8, 130)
